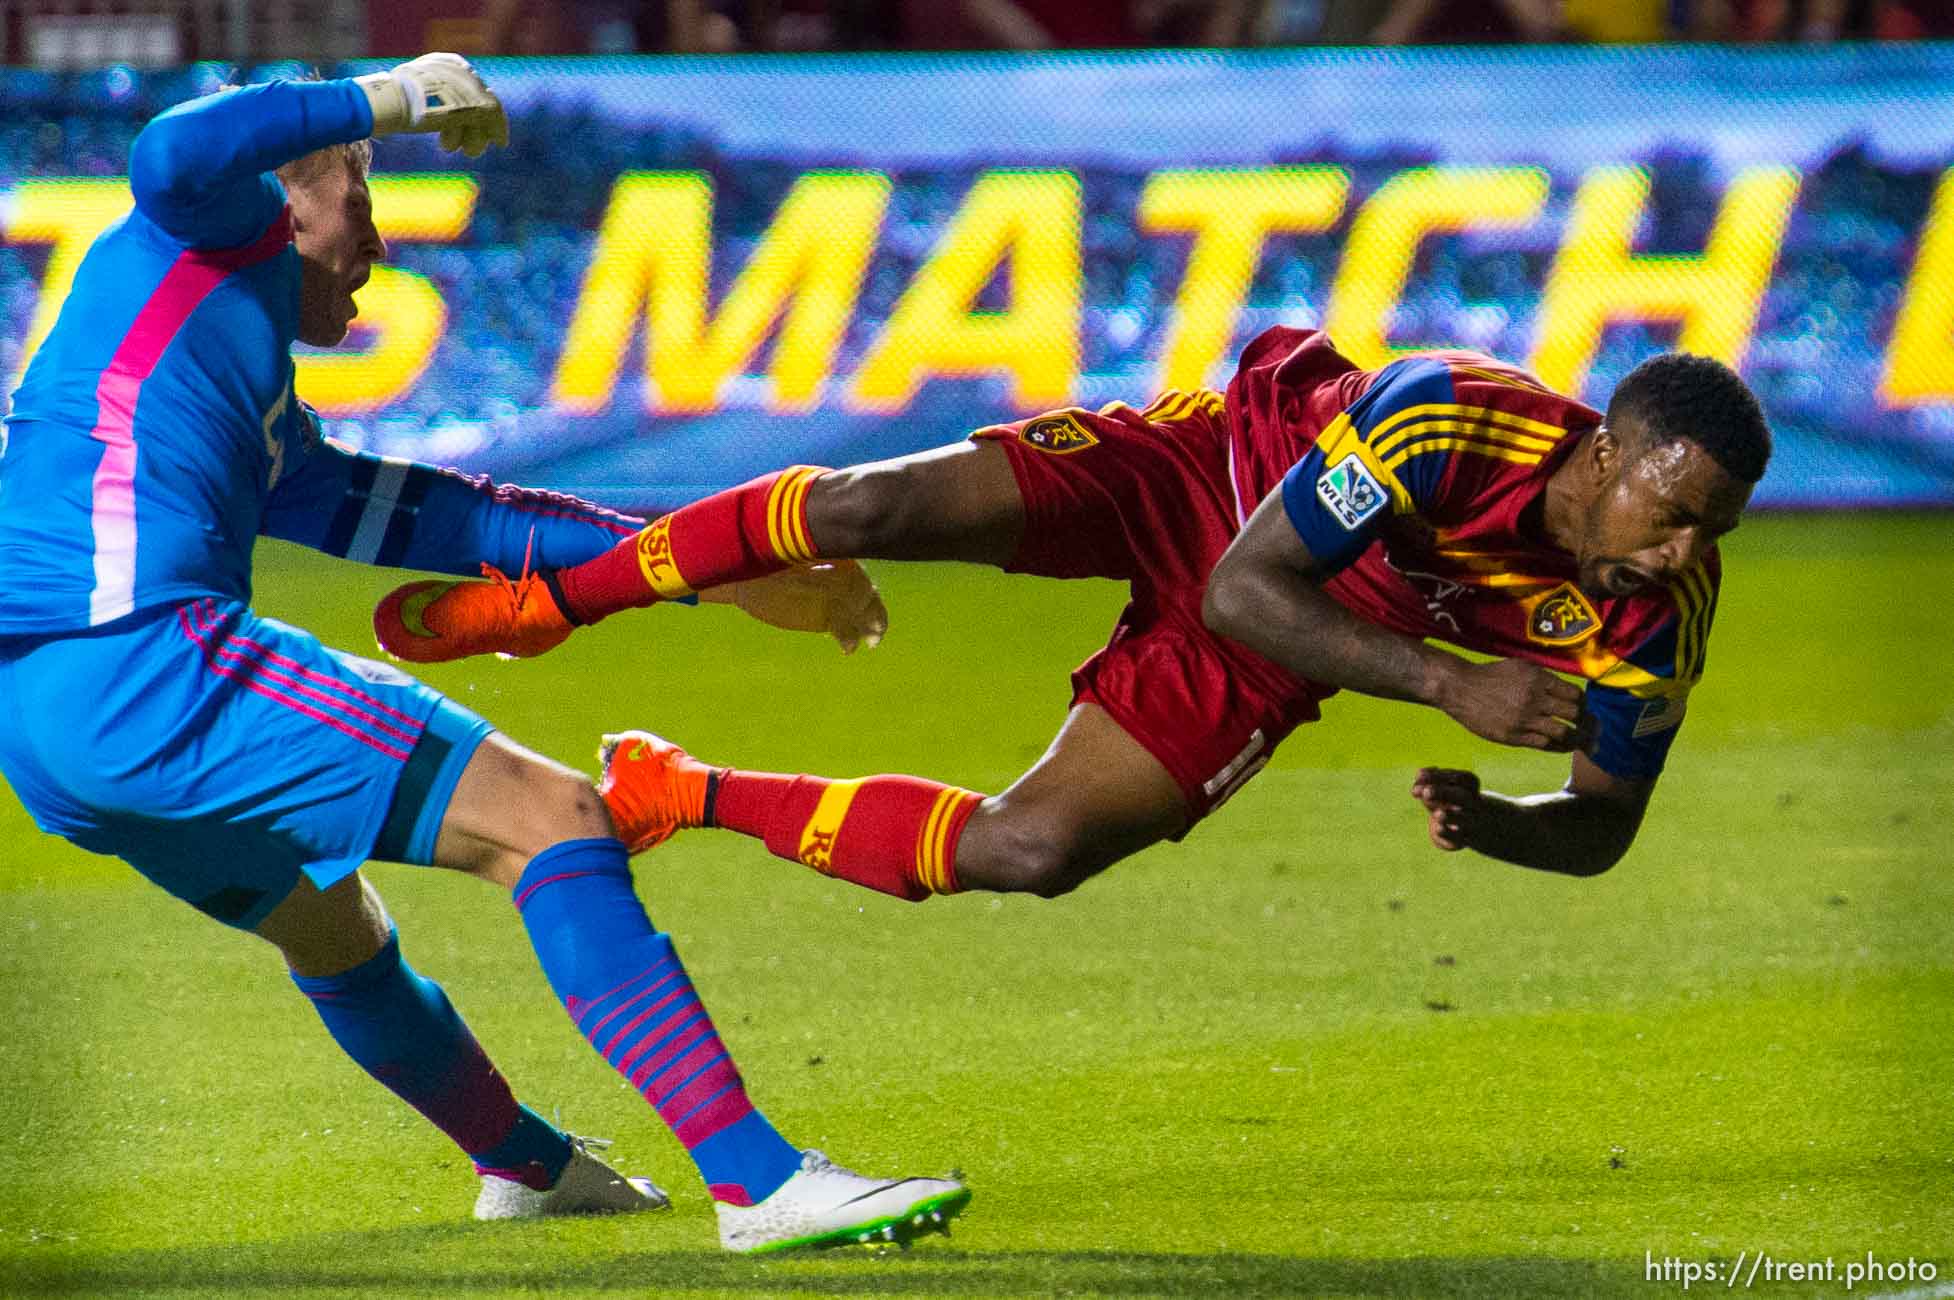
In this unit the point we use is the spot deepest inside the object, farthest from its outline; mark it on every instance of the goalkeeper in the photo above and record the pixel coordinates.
(248, 770)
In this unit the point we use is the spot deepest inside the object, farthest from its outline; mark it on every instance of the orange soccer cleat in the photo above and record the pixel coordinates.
(434, 622)
(652, 787)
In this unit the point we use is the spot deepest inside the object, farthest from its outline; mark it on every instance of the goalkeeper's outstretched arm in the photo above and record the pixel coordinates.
(403, 514)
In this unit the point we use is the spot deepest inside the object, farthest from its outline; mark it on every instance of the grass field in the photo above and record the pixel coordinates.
(1301, 1054)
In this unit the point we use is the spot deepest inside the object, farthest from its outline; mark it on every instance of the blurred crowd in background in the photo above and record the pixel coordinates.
(596, 26)
(512, 283)
(156, 33)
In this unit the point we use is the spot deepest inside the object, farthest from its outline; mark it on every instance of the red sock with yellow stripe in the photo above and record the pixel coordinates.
(894, 834)
(745, 532)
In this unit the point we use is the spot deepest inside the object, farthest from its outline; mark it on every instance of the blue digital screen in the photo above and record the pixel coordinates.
(683, 272)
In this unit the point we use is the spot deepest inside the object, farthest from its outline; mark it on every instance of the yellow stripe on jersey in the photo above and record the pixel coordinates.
(817, 847)
(1401, 444)
(1495, 377)
(1693, 603)
(1448, 544)
(1483, 446)
(1179, 409)
(1607, 669)
(1494, 575)
(1403, 433)
(1174, 405)
(1703, 621)
(1697, 624)
(1518, 426)
(1684, 601)
(1172, 397)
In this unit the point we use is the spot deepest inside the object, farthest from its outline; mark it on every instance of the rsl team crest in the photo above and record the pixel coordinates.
(1562, 617)
(1058, 434)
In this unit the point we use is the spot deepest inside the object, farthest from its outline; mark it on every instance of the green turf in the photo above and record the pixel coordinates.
(1301, 1054)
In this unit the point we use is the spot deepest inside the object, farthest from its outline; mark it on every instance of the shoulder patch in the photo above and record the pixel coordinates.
(1660, 714)
(1349, 491)
(1058, 434)
(1561, 617)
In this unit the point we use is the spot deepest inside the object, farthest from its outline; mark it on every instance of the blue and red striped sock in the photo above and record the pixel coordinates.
(623, 985)
(401, 1029)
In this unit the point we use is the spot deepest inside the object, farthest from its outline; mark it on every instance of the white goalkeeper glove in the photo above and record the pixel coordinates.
(834, 596)
(437, 92)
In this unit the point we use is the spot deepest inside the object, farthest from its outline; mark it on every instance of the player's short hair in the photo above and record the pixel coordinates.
(357, 154)
(1682, 397)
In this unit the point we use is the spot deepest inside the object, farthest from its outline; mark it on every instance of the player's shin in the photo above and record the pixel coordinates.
(400, 1028)
(623, 985)
(894, 834)
(750, 531)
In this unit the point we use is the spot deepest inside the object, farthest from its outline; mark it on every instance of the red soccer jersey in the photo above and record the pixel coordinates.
(1416, 486)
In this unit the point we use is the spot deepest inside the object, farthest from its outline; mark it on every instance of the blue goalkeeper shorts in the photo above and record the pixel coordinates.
(221, 754)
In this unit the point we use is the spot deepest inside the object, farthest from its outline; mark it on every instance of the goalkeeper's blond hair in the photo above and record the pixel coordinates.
(357, 154)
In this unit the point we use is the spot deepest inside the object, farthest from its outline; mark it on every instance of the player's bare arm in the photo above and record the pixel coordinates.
(1267, 592)
(1581, 829)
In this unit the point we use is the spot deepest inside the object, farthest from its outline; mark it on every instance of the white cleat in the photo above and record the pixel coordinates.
(586, 1186)
(826, 1205)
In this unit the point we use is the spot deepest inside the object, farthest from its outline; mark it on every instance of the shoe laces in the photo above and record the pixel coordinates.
(816, 1164)
(580, 1141)
(518, 591)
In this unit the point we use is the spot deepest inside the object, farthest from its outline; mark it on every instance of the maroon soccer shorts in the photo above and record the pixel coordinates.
(1148, 498)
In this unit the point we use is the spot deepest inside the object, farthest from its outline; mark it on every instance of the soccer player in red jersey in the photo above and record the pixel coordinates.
(1310, 530)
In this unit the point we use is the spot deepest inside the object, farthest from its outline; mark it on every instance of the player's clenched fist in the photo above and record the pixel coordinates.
(1452, 804)
(1514, 702)
(437, 92)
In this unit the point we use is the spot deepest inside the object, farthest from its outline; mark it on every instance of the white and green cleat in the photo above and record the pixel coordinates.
(825, 1205)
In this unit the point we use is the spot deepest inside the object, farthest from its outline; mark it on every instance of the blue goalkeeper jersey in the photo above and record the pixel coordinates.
(156, 434)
